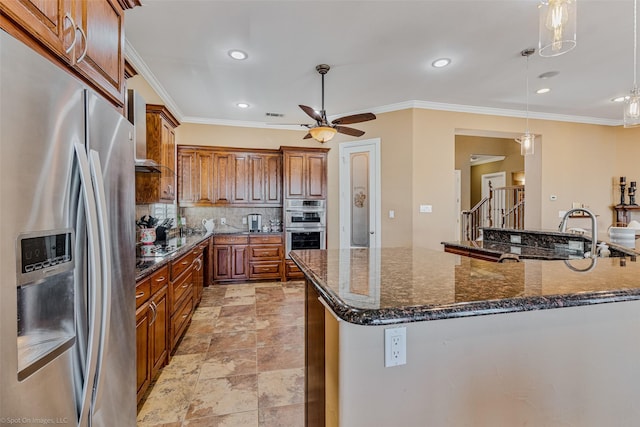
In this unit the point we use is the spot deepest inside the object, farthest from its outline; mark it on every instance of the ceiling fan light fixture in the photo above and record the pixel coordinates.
(322, 133)
(557, 27)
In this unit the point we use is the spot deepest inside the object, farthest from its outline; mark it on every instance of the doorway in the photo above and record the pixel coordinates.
(491, 181)
(360, 221)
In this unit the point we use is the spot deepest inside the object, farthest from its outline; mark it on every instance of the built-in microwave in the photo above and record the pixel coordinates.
(304, 213)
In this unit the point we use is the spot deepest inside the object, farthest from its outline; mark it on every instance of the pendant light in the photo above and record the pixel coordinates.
(557, 27)
(527, 140)
(632, 105)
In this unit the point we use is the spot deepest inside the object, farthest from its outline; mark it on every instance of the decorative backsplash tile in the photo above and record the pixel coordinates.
(233, 215)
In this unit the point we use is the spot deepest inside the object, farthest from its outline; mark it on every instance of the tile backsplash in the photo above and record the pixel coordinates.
(161, 211)
(233, 215)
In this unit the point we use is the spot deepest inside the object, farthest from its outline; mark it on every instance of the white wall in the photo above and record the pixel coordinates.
(562, 367)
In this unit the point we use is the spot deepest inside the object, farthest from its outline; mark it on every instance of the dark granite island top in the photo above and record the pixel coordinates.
(487, 344)
(398, 285)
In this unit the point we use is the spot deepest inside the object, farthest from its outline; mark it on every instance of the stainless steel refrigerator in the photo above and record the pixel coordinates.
(67, 233)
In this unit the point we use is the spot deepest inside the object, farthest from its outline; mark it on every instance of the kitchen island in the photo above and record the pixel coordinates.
(528, 343)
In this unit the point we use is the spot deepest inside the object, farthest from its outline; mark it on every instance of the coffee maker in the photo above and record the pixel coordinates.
(255, 222)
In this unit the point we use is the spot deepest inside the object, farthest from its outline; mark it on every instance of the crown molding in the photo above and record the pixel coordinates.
(138, 63)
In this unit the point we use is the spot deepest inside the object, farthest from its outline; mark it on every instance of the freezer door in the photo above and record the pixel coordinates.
(110, 143)
(41, 118)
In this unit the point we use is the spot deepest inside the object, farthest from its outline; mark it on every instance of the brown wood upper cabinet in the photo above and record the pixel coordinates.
(213, 176)
(84, 35)
(305, 173)
(161, 147)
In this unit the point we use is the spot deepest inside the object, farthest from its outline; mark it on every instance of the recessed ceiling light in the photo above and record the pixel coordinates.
(548, 74)
(442, 62)
(620, 98)
(242, 105)
(543, 90)
(238, 54)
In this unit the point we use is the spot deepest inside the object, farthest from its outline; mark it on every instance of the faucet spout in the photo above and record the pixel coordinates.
(594, 227)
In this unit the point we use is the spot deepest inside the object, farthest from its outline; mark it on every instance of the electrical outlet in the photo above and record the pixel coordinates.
(395, 347)
(426, 209)
(223, 221)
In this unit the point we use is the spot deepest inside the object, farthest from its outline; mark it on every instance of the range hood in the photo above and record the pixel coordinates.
(137, 115)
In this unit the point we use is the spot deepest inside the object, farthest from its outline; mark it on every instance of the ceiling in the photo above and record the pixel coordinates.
(380, 53)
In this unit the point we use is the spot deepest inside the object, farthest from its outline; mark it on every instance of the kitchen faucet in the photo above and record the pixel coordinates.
(594, 227)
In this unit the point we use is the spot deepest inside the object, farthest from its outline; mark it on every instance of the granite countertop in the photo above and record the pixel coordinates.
(399, 285)
(147, 265)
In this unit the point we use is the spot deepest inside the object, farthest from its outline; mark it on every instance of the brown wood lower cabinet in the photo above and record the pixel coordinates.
(230, 257)
(152, 326)
(241, 257)
(265, 257)
(291, 271)
(165, 302)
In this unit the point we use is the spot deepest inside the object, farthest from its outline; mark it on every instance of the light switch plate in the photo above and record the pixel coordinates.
(426, 209)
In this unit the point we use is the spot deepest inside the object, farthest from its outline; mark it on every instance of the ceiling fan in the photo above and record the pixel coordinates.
(322, 130)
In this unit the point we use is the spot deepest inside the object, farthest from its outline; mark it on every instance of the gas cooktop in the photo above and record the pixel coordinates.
(145, 251)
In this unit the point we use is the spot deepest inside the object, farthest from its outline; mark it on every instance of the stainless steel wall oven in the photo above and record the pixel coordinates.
(305, 224)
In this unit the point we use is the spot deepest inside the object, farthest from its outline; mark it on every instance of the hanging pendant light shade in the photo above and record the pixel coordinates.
(557, 27)
(528, 139)
(632, 105)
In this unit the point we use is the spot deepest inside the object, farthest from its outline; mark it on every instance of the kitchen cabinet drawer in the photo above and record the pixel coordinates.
(265, 253)
(181, 318)
(180, 288)
(265, 270)
(180, 265)
(292, 271)
(159, 279)
(143, 291)
(265, 239)
(231, 240)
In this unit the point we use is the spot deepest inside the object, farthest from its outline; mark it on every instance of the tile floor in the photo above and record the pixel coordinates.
(240, 363)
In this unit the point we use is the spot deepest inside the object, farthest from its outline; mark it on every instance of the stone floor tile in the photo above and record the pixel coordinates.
(286, 336)
(235, 324)
(226, 341)
(281, 388)
(220, 396)
(273, 358)
(229, 363)
(282, 416)
(238, 310)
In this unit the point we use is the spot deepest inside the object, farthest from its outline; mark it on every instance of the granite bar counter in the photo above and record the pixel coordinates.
(487, 344)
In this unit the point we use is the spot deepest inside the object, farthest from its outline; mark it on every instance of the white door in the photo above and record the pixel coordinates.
(360, 194)
(497, 180)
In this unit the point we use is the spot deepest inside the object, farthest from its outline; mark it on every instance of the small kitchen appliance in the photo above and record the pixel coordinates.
(255, 222)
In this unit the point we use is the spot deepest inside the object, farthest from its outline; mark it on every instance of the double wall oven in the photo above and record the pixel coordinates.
(305, 224)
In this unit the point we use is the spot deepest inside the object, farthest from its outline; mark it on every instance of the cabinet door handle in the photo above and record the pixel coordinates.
(160, 279)
(184, 316)
(185, 262)
(185, 286)
(75, 35)
(84, 51)
(139, 295)
(154, 308)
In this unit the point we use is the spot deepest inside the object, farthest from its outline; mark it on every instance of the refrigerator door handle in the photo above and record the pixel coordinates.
(105, 259)
(95, 275)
